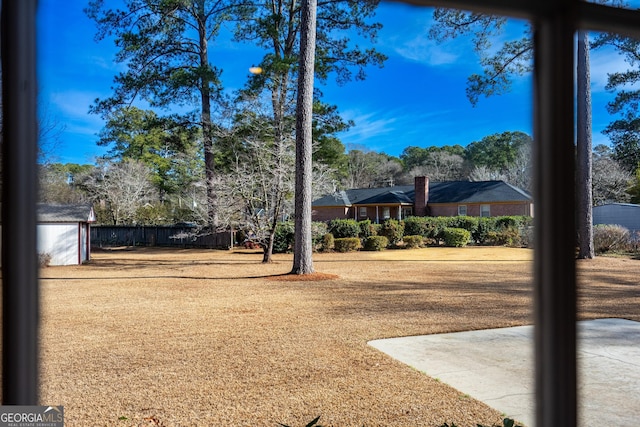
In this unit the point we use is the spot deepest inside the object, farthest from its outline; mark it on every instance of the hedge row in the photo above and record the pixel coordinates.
(411, 232)
(490, 231)
(345, 235)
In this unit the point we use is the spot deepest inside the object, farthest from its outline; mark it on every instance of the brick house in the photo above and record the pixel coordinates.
(424, 198)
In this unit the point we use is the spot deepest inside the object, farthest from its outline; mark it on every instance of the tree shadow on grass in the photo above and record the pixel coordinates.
(181, 277)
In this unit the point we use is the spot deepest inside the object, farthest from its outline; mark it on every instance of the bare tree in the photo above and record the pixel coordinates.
(262, 180)
(122, 187)
(366, 169)
(440, 166)
(257, 187)
(359, 169)
(323, 180)
(483, 173)
(257, 190)
(610, 180)
(49, 131)
(517, 173)
(56, 184)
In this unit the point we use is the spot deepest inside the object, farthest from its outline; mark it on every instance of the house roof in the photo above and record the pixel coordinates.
(439, 192)
(627, 205)
(359, 195)
(395, 197)
(476, 192)
(65, 213)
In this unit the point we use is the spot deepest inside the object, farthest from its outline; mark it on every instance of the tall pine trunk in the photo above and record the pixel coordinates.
(303, 250)
(205, 118)
(584, 151)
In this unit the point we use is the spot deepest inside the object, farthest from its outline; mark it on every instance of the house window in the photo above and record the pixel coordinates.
(362, 212)
(386, 212)
(485, 210)
(462, 210)
(407, 212)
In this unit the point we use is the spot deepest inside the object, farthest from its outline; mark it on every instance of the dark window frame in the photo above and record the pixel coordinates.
(555, 23)
(366, 212)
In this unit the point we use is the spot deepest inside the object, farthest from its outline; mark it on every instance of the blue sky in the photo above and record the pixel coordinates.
(417, 99)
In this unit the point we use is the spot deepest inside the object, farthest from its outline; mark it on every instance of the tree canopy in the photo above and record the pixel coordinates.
(624, 132)
(499, 66)
(165, 47)
(497, 151)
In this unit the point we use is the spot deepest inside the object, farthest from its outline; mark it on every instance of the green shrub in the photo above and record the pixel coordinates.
(469, 223)
(507, 222)
(318, 231)
(526, 236)
(436, 226)
(376, 229)
(341, 228)
(347, 244)
(412, 242)
(328, 242)
(456, 237)
(504, 237)
(393, 230)
(284, 237)
(504, 231)
(429, 227)
(512, 221)
(367, 229)
(481, 233)
(608, 238)
(376, 243)
(416, 226)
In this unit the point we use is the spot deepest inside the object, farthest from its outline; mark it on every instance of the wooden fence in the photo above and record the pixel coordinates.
(184, 237)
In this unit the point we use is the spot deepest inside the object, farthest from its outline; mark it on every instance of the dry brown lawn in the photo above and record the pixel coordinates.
(215, 338)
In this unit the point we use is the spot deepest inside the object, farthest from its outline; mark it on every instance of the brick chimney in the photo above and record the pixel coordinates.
(421, 187)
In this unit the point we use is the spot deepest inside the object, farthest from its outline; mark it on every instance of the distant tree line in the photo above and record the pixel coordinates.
(168, 187)
(199, 153)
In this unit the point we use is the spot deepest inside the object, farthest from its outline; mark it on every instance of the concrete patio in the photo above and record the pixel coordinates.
(496, 367)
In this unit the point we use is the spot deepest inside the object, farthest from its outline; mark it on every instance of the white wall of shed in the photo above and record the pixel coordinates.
(60, 240)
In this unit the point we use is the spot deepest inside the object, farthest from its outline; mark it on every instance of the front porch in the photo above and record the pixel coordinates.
(380, 213)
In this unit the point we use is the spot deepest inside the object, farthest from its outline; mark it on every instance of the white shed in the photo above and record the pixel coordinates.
(624, 214)
(64, 233)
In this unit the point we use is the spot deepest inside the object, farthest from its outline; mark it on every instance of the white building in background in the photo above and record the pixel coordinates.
(64, 233)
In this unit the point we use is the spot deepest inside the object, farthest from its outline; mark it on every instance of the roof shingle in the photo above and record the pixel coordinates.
(65, 213)
(439, 192)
